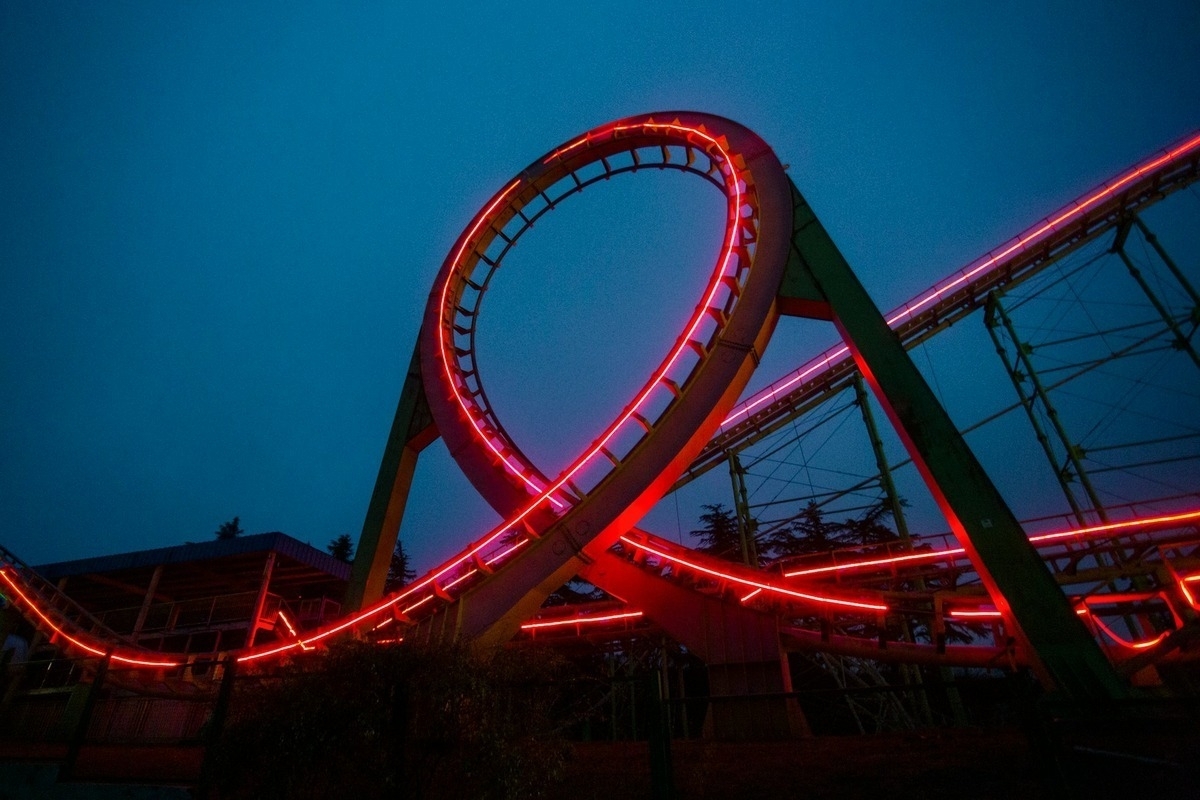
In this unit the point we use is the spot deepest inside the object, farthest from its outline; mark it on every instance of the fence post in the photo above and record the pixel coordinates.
(84, 719)
(216, 723)
(662, 783)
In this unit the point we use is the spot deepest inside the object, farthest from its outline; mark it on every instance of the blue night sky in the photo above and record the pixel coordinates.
(219, 222)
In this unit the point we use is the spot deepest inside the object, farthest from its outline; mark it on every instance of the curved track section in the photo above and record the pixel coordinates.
(581, 521)
(638, 456)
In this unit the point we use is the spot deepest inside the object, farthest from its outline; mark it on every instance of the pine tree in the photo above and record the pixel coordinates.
(229, 530)
(718, 533)
(399, 571)
(341, 548)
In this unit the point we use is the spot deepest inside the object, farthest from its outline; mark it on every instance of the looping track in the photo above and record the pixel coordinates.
(581, 521)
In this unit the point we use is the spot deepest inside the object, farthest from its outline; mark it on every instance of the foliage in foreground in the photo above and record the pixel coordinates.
(398, 721)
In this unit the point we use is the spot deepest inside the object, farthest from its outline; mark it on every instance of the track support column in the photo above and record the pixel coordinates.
(1183, 341)
(994, 314)
(412, 430)
(1067, 659)
(747, 525)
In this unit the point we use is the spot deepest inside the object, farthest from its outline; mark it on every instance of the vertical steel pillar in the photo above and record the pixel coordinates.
(216, 725)
(78, 714)
(885, 471)
(747, 525)
(1062, 651)
(994, 312)
(910, 672)
(412, 429)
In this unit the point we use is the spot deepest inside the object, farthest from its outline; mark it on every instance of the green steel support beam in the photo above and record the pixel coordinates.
(1170, 263)
(885, 471)
(1182, 341)
(412, 430)
(995, 314)
(911, 673)
(747, 525)
(1063, 652)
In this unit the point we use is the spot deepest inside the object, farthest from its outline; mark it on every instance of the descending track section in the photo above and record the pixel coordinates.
(1090, 216)
(581, 520)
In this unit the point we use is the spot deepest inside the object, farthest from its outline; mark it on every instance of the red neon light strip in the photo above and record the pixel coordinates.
(78, 642)
(1187, 595)
(485, 217)
(952, 552)
(1024, 241)
(1120, 640)
(664, 368)
(815, 598)
(1084, 610)
(825, 361)
(766, 587)
(559, 623)
(975, 614)
(288, 624)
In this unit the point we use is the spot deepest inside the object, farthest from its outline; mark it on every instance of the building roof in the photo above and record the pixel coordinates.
(204, 569)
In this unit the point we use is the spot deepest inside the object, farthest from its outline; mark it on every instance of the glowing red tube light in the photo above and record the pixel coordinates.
(541, 494)
(820, 599)
(1117, 638)
(1024, 242)
(79, 642)
(593, 620)
(757, 584)
(734, 182)
(1084, 610)
(288, 624)
(1110, 529)
(1187, 594)
(484, 217)
(980, 614)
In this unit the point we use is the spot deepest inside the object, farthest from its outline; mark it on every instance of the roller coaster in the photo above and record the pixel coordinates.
(1088, 602)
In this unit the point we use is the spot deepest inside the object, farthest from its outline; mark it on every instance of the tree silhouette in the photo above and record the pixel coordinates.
(871, 527)
(341, 548)
(399, 571)
(718, 533)
(229, 530)
(811, 532)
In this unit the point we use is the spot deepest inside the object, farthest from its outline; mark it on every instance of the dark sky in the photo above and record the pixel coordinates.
(219, 222)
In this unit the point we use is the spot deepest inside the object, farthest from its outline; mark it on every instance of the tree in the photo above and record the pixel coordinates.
(807, 533)
(810, 532)
(341, 548)
(718, 533)
(870, 528)
(399, 572)
(229, 530)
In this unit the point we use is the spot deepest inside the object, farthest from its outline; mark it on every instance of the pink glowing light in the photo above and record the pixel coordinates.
(1111, 528)
(559, 623)
(755, 584)
(1024, 242)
